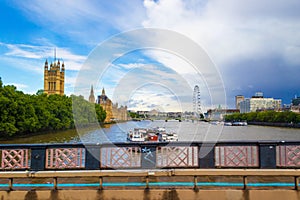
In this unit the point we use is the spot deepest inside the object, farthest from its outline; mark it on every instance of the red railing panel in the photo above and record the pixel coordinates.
(14, 159)
(64, 158)
(288, 156)
(236, 156)
(177, 156)
(120, 157)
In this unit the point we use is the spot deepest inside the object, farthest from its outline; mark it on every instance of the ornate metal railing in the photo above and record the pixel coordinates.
(39, 157)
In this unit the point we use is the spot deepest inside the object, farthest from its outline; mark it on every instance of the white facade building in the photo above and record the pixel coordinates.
(253, 104)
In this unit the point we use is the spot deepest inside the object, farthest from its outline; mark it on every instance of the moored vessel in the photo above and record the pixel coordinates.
(157, 134)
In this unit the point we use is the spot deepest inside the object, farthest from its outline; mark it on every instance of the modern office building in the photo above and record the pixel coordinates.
(258, 103)
(238, 100)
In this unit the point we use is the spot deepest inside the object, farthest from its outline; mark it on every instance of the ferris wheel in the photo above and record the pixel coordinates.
(197, 102)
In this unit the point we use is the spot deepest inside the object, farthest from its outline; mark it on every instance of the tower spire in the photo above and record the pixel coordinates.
(92, 96)
(54, 54)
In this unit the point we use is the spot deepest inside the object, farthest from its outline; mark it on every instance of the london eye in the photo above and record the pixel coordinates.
(197, 103)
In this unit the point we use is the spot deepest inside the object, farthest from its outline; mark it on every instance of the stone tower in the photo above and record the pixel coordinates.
(106, 104)
(92, 96)
(54, 78)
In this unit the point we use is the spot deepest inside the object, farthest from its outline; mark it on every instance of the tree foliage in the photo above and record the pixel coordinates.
(265, 116)
(23, 113)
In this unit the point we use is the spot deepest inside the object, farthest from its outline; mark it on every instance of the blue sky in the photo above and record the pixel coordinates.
(255, 46)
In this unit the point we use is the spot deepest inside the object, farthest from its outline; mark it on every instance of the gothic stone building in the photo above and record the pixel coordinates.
(54, 78)
(113, 112)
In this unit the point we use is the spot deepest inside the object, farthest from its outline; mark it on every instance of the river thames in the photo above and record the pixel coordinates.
(187, 131)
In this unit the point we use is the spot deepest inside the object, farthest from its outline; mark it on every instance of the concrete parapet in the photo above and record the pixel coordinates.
(151, 194)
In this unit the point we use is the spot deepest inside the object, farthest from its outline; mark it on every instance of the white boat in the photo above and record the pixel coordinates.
(137, 135)
(227, 123)
(214, 122)
(239, 124)
(169, 137)
(160, 129)
(158, 134)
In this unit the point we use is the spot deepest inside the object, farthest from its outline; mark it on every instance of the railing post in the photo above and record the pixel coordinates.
(148, 156)
(100, 183)
(196, 183)
(92, 159)
(38, 158)
(296, 183)
(267, 155)
(10, 183)
(206, 155)
(55, 183)
(147, 182)
(245, 182)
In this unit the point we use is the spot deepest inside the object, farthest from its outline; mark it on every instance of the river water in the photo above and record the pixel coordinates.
(187, 131)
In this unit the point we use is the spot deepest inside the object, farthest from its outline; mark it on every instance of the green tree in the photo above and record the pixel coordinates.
(23, 113)
(101, 114)
(40, 92)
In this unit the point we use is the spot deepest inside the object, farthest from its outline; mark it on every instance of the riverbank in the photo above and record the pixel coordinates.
(272, 124)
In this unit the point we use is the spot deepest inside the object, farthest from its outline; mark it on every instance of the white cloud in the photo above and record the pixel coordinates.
(40, 53)
(230, 29)
(86, 22)
(19, 86)
(235, 32)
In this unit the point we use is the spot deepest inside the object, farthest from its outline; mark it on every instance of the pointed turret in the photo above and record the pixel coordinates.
(92, 96)
(46, 65)
(103, 91)
(63, 67)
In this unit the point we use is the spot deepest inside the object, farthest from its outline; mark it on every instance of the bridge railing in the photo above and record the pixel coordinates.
(198, 155)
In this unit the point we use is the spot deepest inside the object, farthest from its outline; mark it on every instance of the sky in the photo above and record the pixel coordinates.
(248, 46)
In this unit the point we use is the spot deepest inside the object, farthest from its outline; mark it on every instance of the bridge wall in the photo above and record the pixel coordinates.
(151, 194)
(234, 154)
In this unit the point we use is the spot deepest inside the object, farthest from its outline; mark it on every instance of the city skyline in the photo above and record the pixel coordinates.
(254, 45)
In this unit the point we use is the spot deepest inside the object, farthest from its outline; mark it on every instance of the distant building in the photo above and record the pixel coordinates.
(188, 115)
(259, 103)
(174, 115)
(54, 78)
(219, 113)
(153, 113)
(258, 95)
(238, 100)
(119, 113)
(142, 113)
(113, 112)
(295, 109)
(296, 101)
(92, 96)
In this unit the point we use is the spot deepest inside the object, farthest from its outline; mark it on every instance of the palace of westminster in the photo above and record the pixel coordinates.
(54, 83)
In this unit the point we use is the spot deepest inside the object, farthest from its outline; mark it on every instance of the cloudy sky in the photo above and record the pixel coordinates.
(253, 45)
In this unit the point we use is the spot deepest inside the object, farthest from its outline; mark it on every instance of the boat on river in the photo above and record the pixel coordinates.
(158, 134)
(240, 123)
(137, 135)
